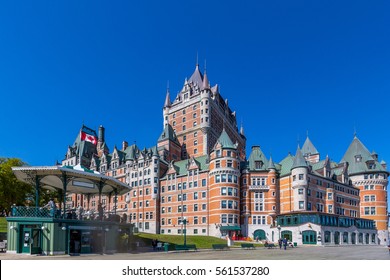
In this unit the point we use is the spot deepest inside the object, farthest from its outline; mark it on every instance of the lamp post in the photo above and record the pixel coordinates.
(185, 231)
(279, 230)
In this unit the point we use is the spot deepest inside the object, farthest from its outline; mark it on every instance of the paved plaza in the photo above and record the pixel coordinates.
(300, 253)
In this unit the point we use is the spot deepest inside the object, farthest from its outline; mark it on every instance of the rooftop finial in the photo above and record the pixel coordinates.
(354, 130)
(197, 59)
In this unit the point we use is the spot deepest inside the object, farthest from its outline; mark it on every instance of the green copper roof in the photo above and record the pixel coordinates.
(168, 134)
(257, 155)
(131, 152)
(181, 166)
(225, 141)
(308, 147)
(360, 159)
(286, 165)
(299, 160)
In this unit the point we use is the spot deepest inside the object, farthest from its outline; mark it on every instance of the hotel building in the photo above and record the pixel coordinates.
(198, 171)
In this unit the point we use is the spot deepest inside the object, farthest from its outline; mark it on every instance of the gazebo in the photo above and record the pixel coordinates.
(35, 230)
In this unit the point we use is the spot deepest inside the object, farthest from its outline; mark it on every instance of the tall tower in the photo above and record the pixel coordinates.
(371, 177)
(198, 115)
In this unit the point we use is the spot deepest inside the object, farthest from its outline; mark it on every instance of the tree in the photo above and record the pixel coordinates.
(12, 191)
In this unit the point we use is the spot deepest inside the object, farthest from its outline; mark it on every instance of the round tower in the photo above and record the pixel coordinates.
(299, 176)
(224, 191)
(205, 112)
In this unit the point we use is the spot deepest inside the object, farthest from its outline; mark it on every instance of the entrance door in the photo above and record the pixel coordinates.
(337, 237)
(287, 234)
(31, 241)
(36, 241)
(26, 240)
(259, 234)
(75, 242)
(309, 237)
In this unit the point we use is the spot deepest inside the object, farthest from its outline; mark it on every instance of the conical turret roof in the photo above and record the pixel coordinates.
(299, 160)
(225, 140)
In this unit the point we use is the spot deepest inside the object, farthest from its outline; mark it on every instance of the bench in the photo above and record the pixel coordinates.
(247, 246)
(220, 246)
(186, 247)
(3, 246)
(269, 245)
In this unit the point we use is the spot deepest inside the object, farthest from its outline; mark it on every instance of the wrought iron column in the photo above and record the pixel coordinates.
(65, 183)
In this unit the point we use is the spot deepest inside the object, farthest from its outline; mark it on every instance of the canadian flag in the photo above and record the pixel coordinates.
(88, 138)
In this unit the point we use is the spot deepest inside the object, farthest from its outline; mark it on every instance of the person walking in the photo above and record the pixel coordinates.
(80, 212)
(51, 206)
(280, 243)
(285, 243)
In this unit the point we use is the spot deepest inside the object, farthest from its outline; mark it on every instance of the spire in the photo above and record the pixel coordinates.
(299, 160)
(242, 130)
(196, 77)
(271, 164)
(206, 83)
(167, 102)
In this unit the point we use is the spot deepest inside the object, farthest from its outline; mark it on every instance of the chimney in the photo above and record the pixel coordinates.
(101, 134)
(124, 145)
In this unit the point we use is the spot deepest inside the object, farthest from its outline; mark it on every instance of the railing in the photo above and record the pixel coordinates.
(41, 212)
(37, 212)
(262, 187)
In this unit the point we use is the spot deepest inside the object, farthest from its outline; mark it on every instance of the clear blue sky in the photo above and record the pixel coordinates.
(286, 67)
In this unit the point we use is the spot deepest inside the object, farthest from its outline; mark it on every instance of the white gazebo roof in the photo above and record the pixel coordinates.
(78, 179)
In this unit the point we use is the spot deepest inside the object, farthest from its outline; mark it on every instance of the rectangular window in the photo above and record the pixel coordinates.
(217, 178)
(300, 191)
(203, 182)
(301, 205)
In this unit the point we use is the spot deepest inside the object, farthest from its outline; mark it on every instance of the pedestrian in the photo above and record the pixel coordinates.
(80, 212)
(154, 244)
(280, 243)
(100, 211)
(51, 206)
(285, 243)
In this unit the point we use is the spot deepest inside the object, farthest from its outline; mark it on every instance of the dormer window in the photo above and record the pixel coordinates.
(218, 153)
(358, 158)
(371, 165)
(258, 164)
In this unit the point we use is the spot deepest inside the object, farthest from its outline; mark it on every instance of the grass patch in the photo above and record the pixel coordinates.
(238, 243)
(202, 242)
(3, 224)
